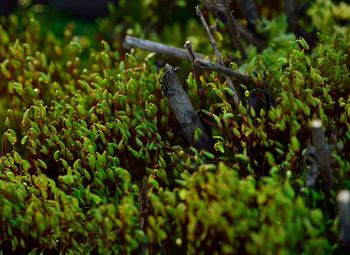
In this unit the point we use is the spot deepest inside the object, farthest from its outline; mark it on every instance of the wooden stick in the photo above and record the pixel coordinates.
(192, 56)
(218, 54)
(211, 38)
(133, 42)
(239, 77)
(211, 66)
(322, 154)
(343, 199)
(183, 109)
(199, 58)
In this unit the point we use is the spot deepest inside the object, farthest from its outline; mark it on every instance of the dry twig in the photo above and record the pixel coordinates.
(134, 42)
(343, 199)
(183, 109)
(217, 53)
(322, 154)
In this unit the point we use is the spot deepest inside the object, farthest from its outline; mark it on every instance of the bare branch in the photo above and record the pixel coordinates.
(183, 109)
(343, 199)
(133, 42)
(322, 154)
(239, 77)
(211, 38)
(217, 53)
(192, 56)
(204, 64)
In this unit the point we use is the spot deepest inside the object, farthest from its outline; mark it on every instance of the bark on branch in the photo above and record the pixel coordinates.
(134, 42)
(238, 77)
(322, 154)
(183, 109)
(343, 199)
(216, 51)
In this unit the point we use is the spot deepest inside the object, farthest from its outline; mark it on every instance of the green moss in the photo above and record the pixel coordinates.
(93, 161)
(216, 212)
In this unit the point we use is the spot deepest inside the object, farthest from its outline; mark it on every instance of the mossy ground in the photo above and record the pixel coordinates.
(92, 157)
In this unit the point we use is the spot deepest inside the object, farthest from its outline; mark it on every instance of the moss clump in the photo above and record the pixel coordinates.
(213, 211)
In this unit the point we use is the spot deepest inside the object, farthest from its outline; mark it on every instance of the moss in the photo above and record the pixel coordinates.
(93, 161)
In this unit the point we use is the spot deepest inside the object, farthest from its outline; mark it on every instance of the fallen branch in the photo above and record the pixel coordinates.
(322, 154)
(175, 52)
(343, 199)
(134, 42)
(183, 109)
(211, 66)
(239, 77)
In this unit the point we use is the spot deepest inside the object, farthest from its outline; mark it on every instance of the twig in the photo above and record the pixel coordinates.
(208, 65)
(313, 174)
(217, 53)
(204, 64)
(244, 32)
(239, 77)
(322, 154)
(211, 38)
(210, 5)
(183, 109)
(133, 42)
(343, 199)
(192, 56)
(199, 58)
(144, 207)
